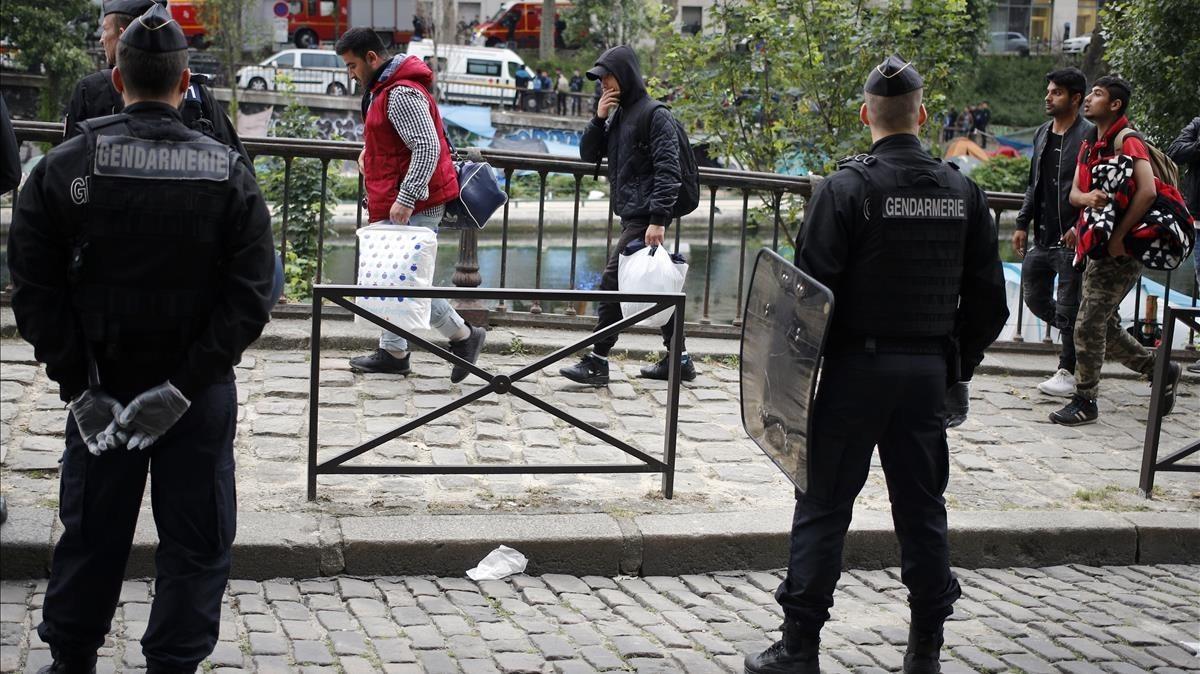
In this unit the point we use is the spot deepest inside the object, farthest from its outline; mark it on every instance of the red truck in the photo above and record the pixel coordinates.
(310, 22)
(516, 22)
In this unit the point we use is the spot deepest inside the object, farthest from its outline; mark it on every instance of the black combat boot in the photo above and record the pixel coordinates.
(924, 649)
(65, 666)
(795, 653)
(590, 370)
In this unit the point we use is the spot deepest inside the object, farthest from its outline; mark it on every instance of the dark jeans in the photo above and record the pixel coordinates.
(863, 400)
(1057, 308)
(560, 102)
(195, 511)
(610, 312)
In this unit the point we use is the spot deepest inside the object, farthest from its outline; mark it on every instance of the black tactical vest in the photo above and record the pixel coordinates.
(906, 272)
(143, 270)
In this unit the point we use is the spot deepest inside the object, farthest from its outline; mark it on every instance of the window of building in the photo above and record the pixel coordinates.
(484, 68)
(1086, 21)
(691, 20)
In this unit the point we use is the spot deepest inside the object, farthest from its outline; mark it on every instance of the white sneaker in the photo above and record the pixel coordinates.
(1061, 384)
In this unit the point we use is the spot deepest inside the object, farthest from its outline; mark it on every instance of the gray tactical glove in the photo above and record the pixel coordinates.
(958, 403)
(94, 411)
(149, 416)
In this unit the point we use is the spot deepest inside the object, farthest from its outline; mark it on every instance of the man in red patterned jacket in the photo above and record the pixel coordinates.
(1112, 272)
(408, 174)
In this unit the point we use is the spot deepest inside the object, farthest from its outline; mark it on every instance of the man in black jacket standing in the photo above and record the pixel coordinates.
(1185, 151)
(141, 254)
(644, 177)
(1048, 206)
(908, 247)
(95, 96)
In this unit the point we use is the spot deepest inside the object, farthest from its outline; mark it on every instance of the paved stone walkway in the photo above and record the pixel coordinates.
(1005, 457)
(1077, 620)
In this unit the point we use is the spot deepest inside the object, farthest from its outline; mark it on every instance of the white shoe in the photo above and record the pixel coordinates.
(1061, 384)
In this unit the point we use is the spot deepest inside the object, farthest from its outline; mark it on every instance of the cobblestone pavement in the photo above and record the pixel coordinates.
(1005, 457)
(1058, 619)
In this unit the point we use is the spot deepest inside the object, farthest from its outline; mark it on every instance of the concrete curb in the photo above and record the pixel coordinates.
(297, 545)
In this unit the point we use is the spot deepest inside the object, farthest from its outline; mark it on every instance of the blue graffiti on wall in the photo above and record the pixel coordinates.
(564, 136)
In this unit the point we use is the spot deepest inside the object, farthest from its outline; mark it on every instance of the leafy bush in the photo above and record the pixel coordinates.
(1002, 174)
(1013, 86)
(303, 197)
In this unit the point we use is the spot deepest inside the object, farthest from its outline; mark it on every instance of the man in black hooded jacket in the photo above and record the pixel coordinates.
(644, 177)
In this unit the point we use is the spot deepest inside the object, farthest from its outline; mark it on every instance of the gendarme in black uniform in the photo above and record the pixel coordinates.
(94, 95)
(908, 247)
(145, 246)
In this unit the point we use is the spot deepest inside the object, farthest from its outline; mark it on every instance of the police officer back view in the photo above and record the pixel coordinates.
(908, 248)
(94, 95)
(141, 257)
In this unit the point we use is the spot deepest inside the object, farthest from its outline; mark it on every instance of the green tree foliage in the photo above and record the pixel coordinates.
(303, 196)
(1152, 43)
(226, 27)
(608, 23)
(1013, 86)
(1002, 174)
(50, 37)
(777, 84)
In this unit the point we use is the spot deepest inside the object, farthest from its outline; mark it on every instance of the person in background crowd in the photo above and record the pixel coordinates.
(1047, 206)
(576, 87)
(561, 85)
(982, 117)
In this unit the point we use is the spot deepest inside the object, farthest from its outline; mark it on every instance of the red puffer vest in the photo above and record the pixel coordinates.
(386, 157)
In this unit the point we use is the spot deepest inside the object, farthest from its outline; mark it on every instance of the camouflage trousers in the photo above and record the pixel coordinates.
(1098, 333)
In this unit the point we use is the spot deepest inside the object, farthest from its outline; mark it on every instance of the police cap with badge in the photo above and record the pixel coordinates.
(132, 8)
(893, 77)
(155, 31)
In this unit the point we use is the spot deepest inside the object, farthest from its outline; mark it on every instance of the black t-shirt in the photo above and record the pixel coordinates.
(1047, 217)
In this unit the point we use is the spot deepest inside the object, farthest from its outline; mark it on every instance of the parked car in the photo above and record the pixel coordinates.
(1009, 43)
(472, 74)
(1077, 45)
(312, 71)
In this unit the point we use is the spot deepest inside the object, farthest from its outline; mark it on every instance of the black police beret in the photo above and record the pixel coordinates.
(130, 7)
(893, 77)
(155, 32)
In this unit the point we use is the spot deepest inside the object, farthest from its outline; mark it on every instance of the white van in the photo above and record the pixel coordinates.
(472, 74)
(313, 71)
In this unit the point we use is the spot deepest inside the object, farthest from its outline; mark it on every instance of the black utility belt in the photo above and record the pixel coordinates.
(910, 345)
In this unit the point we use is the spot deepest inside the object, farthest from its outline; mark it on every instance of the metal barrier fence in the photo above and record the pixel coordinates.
(769, 188)
(1189, 316)
(500, 384)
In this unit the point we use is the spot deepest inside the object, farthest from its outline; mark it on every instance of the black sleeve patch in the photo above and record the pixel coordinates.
(127, 157)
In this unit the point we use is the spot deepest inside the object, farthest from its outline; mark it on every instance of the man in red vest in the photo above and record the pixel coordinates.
(408, 175)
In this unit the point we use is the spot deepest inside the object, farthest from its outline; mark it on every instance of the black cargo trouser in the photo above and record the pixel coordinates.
(863, 400)
(610, 312)
(192, 492)
(1057, 307)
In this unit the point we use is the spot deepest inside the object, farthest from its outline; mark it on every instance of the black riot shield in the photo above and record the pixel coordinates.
(783, 333)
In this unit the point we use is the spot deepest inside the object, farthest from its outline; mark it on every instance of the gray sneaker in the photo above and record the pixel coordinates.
(1171, 387)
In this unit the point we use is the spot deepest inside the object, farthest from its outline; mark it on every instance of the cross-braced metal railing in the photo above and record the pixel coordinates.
(1151, 464)
(500, 384)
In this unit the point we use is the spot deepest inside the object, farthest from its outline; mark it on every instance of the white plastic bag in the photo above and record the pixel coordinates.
(397, 256)
(649, 270)
(500, 563)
